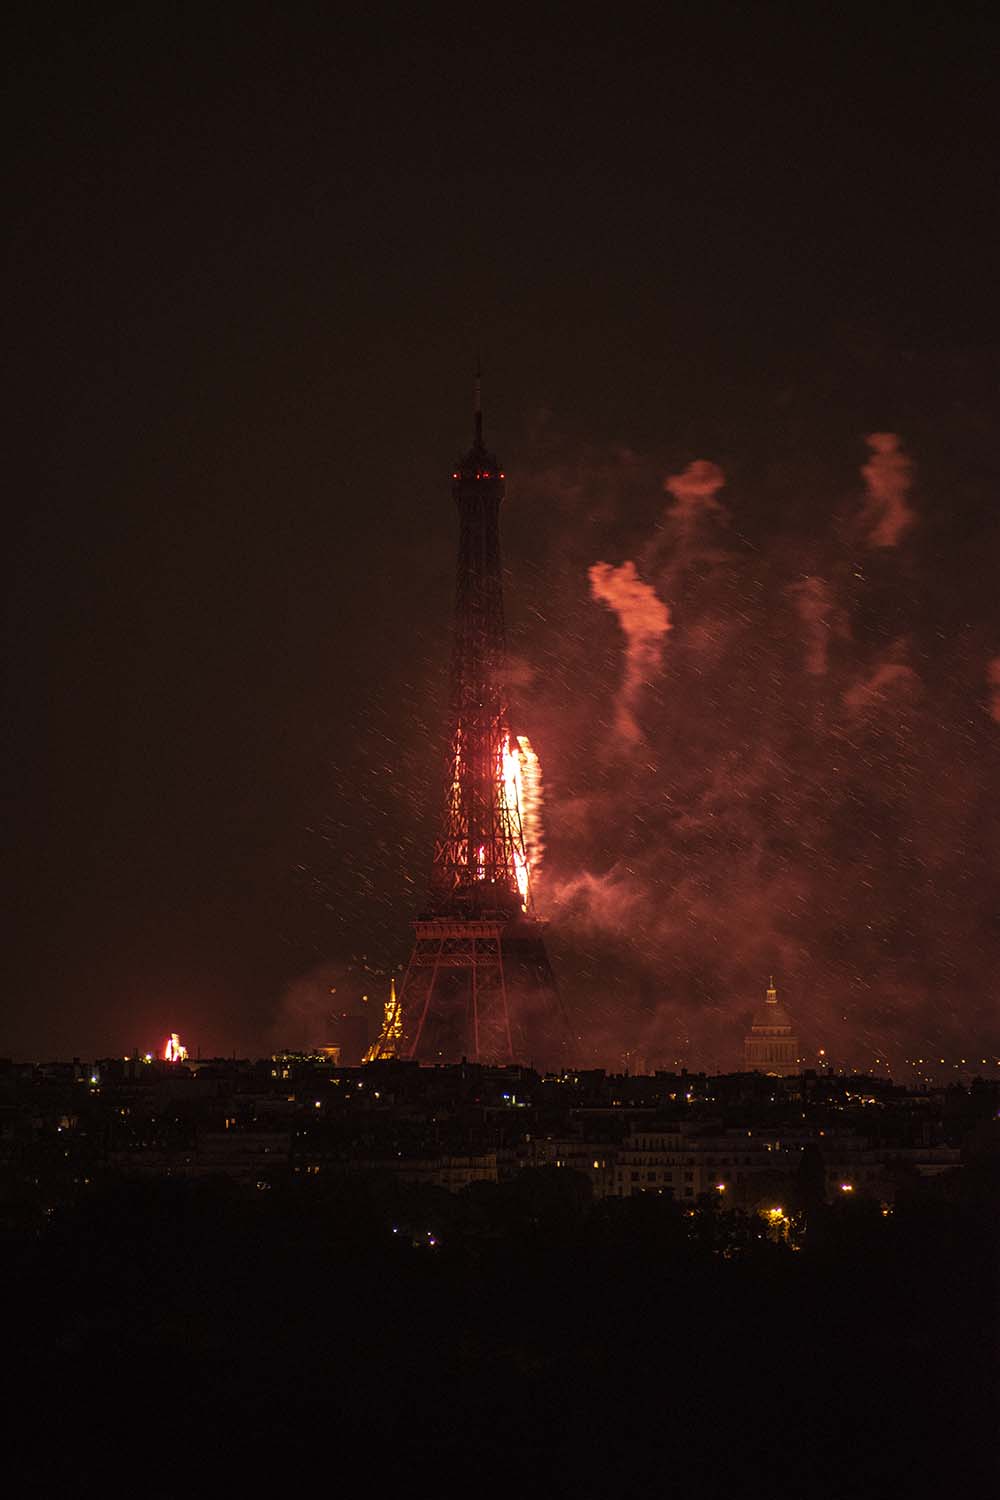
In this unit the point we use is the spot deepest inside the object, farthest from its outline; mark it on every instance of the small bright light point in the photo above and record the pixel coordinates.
(847, 1187)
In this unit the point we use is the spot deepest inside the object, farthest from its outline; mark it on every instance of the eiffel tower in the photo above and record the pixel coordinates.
(479, 985)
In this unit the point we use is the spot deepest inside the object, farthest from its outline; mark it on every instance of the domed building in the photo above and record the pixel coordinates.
(771, 1045)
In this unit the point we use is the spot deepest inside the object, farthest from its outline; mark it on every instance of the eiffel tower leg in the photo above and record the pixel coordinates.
(484, 979)
(415, 996)
(482, 990)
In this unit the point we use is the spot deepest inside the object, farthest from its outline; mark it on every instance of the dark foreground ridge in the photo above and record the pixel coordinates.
(543, 1328)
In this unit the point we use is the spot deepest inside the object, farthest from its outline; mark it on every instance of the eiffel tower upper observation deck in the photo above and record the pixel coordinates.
(479, 984)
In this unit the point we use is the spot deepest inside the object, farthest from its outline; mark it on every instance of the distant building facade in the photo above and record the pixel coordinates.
(771, 1045)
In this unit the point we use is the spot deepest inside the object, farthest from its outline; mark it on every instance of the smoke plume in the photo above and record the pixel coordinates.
(887, 515)
(814, 601)
(993, 680)
(694, 492)
(310, 1002)
(808, 793)
(889, 682)
(645, 620)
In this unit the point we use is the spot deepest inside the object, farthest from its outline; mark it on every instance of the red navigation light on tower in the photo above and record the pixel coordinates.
(479, 984)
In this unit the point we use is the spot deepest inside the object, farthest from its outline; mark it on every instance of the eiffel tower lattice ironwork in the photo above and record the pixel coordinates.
(479, 985)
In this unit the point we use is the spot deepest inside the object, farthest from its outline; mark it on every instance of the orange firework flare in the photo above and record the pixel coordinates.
(174, 1051)
(530, 792)
(521, 784)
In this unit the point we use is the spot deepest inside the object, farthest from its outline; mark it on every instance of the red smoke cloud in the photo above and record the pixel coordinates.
(805, 796)
(887, 515)
(694, 491)
(993, 679)
(645, 620)
(819, 612)
(884, 684)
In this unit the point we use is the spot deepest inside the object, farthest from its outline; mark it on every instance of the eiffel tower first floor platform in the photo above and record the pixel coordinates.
(483, 990)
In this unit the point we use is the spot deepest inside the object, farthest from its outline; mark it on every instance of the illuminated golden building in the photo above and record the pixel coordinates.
(389, 1038)
(771, 1045)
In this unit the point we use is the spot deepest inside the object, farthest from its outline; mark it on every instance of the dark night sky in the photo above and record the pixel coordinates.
(252, 254)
